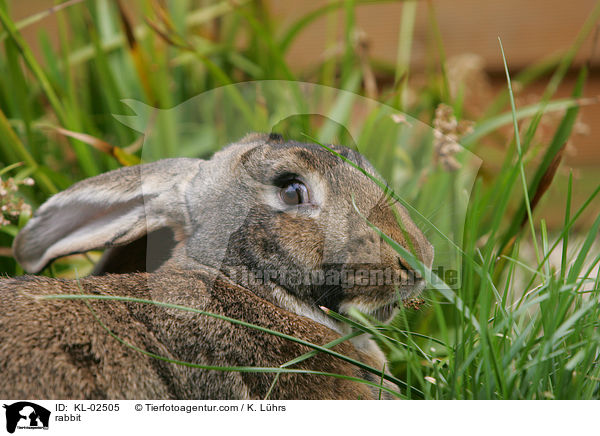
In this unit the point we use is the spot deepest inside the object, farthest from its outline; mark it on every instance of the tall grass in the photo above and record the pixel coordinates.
(518, 326)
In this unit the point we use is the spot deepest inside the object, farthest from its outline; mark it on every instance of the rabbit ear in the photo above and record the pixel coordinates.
(108, 210)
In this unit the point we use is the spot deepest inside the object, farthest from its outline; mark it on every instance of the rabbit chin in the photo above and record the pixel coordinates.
(383, 311)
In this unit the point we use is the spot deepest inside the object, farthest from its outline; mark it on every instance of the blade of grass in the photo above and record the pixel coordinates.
(273, 48)
(137, 55)
(524, 77)
(37, 17)
(577, 266)
(306, 356)
(437, 35)
(124, 158)
(520, 155)
(19, 89)
(547, 168)
(492, 124)
(565, 239)
(405, 40)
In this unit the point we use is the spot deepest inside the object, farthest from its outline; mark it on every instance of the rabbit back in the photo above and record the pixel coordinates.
(59, 349)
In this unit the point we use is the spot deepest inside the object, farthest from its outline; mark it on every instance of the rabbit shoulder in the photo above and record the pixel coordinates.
(99, 349)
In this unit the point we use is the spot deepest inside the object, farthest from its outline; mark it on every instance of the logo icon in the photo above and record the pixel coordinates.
(26, 415)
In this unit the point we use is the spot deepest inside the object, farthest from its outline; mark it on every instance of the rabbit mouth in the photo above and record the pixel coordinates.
(382, 312)
(384, 308)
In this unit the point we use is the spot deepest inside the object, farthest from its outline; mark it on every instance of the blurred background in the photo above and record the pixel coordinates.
(532, 32)
(396, 43)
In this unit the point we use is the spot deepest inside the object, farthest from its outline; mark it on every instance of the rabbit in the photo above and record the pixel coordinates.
(266, 232)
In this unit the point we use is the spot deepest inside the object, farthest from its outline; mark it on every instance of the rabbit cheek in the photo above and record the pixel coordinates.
(300, 239)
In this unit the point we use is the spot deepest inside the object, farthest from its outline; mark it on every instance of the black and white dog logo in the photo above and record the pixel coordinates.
(26, 415)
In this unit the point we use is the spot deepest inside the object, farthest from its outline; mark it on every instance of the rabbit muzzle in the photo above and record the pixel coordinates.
(375, 289)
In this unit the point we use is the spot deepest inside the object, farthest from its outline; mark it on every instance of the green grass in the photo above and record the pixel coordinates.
(517, 326)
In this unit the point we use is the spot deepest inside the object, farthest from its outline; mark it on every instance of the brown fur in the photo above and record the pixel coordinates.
(56, 349)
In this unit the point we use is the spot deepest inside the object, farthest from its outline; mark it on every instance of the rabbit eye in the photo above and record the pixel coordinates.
(294, 193)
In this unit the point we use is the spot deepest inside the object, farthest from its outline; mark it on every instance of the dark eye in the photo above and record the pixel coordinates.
(294, 193)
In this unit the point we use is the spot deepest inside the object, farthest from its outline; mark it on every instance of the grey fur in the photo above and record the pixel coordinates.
(223, 218)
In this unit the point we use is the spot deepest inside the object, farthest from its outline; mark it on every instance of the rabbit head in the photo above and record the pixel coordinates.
(279, 217)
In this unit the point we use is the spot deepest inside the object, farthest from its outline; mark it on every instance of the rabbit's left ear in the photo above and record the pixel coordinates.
(109, 210)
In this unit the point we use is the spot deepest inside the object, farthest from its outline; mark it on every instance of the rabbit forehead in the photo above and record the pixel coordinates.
(313, 157)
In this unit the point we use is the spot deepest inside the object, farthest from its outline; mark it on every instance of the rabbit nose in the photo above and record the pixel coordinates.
(411, 273)
(404, 266)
